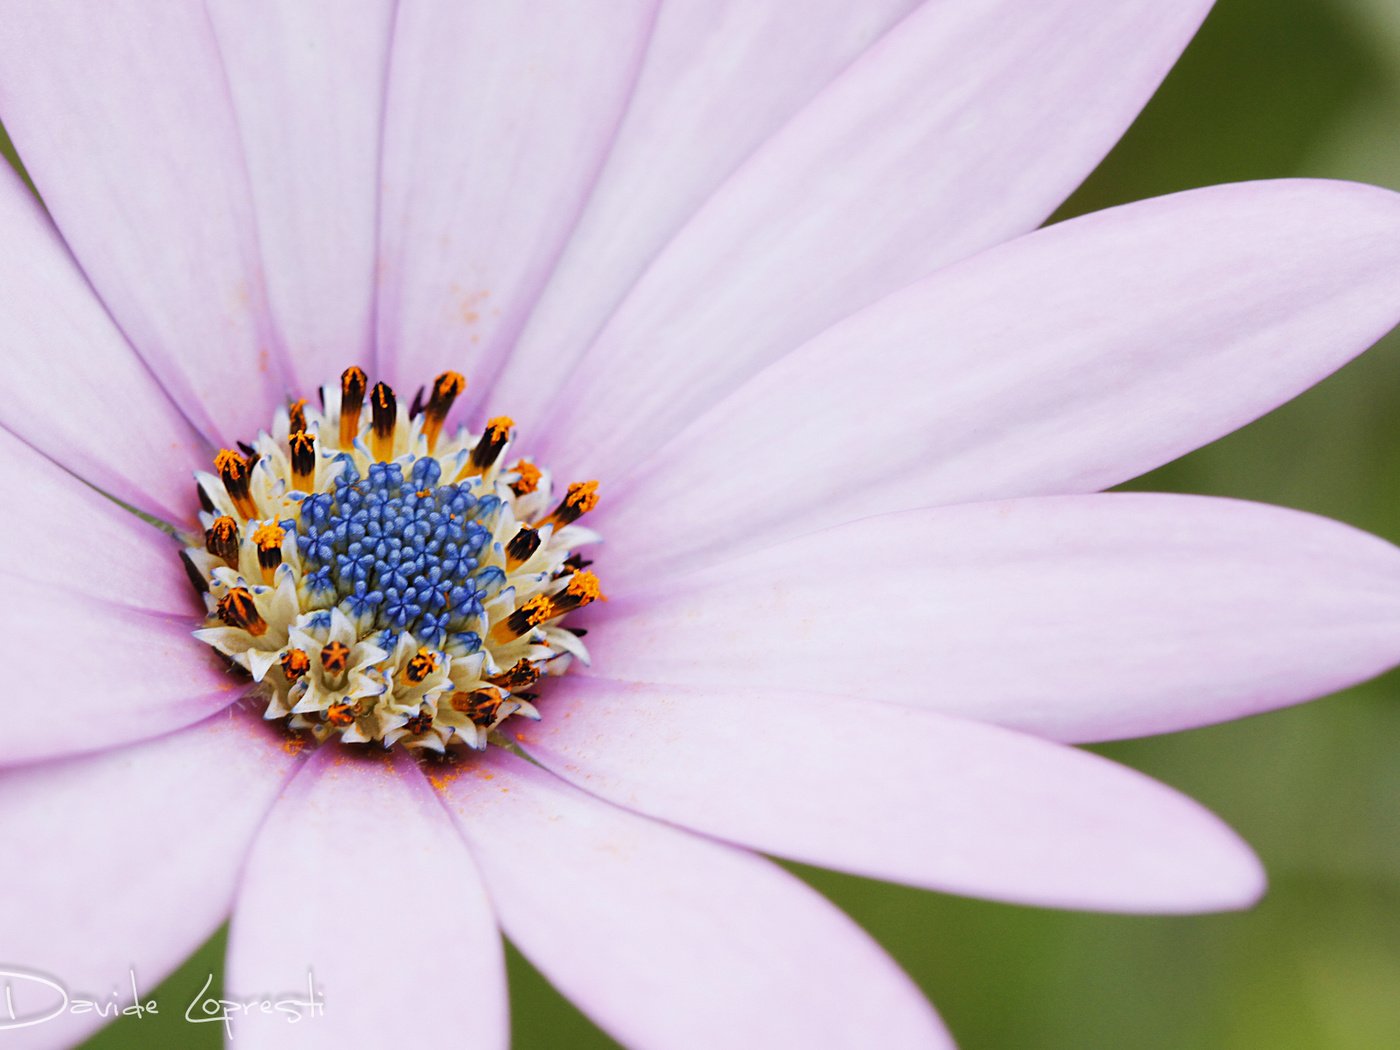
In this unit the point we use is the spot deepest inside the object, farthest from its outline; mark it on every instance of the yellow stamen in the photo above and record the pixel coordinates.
(295, 664)
(521, 547)
(235, 472)
(335, 657)
(268, 539)
(523, 675)
(423, 663)
(353, 383)
(529, 479)
(578, 501)
(446, 388)
(384, 414)
(582, 589)
(489, 448)
(237, 609)
(302, 446)
(529, 616)
(479, 706)
(221, 540)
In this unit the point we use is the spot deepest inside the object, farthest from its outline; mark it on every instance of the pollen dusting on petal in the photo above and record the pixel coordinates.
(389, 581)
(442, 776)
(295, 744)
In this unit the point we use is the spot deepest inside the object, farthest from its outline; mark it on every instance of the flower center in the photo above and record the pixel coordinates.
(383, 581)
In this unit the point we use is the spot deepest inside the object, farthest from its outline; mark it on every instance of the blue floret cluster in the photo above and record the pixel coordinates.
(400, 554)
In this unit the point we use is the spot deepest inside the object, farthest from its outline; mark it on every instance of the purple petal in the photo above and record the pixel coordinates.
(73, 387)
(97, 616)
(895, 793)
(739, 70)
(307, 82)
(498, 116)
(173, 251)
(1069, 360)
(667, 940)
(1075, 617)
(964, 126)
(358, 884)
(124, 862)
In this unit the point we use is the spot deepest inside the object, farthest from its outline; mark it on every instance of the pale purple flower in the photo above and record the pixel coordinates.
(766, 270)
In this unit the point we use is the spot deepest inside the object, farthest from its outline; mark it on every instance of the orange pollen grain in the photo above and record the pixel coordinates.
(234, 470)
(423, 663)
(383, 419)
(221, 539)
(581, 497)
(447, 386)
(353, 382)
(537, 609)
(585, 587)
(480, 706)
(269, 536)
(529, 479)
(268, 539)
(334, 658)
(441, 778)
(237, 609)
(230, 462)
(519, 676)
(445, 390)
(295, 664)
(302, 447)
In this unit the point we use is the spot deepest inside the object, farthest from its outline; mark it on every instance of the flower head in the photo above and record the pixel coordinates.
(382, 581)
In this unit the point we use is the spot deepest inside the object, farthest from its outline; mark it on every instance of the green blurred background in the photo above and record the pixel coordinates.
(1269, 88)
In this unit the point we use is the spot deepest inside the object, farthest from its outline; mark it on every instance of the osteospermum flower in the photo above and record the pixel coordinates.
(764, 273)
